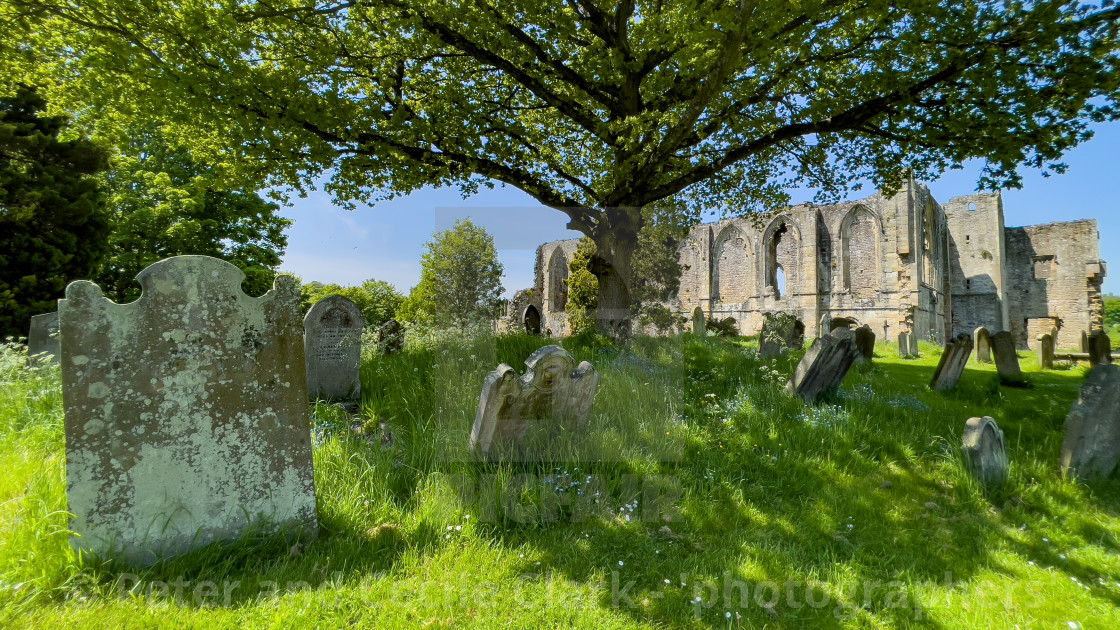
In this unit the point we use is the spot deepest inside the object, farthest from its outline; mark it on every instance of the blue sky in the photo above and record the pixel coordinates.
(384, 241)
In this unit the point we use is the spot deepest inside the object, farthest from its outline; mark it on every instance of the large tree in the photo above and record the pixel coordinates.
(460, 278)
(596, 110)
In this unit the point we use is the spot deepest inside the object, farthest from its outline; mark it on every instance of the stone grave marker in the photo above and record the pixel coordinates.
(983, 340)
(1007, 362)
(1091, 447)
(1046, 352)
(43, 337)
(865, 342)
(699, 325)
(390, 338)
(553, 393)
(914, 345)
(332, 333)
(824, 365)
(904, 345)
(985, 456)
(186, 412)
(952, 363)
(780, 333)
(825, 325)
(1100, 348)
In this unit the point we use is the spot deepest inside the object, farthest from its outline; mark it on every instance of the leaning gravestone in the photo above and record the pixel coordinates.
(186, 412)
(781, 332)
(951, 365)
(824, 365)
(332, 333)
(390, 338)
(1091, 447)
(1100, 348)
(43, 337)
(983, 340)
(1007, 361)
(865, 342)
(553, 393)
(985, 456)
(699, 326)
(1046, 352)
(904, 345)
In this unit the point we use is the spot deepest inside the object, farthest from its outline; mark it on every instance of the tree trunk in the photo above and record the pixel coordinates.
(615, 249)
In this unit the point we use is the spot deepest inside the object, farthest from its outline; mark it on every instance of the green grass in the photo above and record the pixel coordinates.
(861, 500)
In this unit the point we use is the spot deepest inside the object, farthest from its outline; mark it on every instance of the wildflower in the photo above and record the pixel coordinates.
(621, 563)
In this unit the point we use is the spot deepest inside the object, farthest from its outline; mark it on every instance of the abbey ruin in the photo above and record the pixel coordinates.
(899, 263)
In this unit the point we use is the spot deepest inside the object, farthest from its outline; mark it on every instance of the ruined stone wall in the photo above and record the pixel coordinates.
(978, 260)
(551, 273)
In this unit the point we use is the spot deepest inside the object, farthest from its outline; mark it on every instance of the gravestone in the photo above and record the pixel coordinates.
(781, 332)
(983, 340)
(43, 337)
(904, 345)
(1100, 348)
(1084, 342)
(185, 412)
(532, 320)
(332, 333)
(1007, 361)
(824, 365)
(842, 322)
(984, 453)
(952, 363)
(865, 342)
(825, 325)
(1046, 352)
(1091, 447)
(914, 345)
(699, 326)
(390, 338)
(553, 394)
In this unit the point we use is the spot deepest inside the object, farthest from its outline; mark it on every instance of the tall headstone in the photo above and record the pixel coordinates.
(390, 338)
(43, 337)
(1046, 352)
(1100, 348)
(824, 365)
(984, 453)
(553, 394)
(983, 340)
(904, 345)
(952, 363)
(699, 325)
(914, 345)
(865, 342)
(781, 332)
(1007, 361)
(825, 326)
(186, 412)
(332, 333)
(1091, 448)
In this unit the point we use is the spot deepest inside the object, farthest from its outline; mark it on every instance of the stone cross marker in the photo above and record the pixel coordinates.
(553, 393)
(332, 344)
(43, 337)
(824, 365)
(865, 342)
(186, 412)
(1091, 447)
(699, 326)
(390, 338)
(952, 363)
(780, 334)
(983, 340)
(1046, 352)
(1007, 361)
(1100, 348)
(985, 455)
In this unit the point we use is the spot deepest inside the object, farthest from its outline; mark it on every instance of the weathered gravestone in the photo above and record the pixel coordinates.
(904, 345)
(390, 338)
(1007, 361)
(914, 345)
(186, 412)
(553, 393)
(824, 365)
(1100, 348)
(865, 342)
(951, 365)
(1084, 341)
(332, 333)
(43, 337)
(984, 453)
(1091, 447)
(781, 332)
(1046, 352)
(825, 325)
(983, 340)
(699, 325)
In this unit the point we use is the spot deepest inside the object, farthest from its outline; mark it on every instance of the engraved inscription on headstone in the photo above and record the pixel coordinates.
(333, 346)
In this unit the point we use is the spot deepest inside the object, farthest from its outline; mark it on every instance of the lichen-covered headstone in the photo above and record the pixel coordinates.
(824, 365)
(781, 332)
(553, 393)
(699, 325)
(1091, 448)
(904, 345)
(43, 338)
(984, 453)
(983, 339)
(952, 363)
(1007, 360)
(1100, 348)
(1046, 352)
(390, 338)
(865, 342)
(332, 333)
(186, 412)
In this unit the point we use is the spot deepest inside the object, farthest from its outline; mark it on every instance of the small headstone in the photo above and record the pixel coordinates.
(781, 332)
(904, 345)
(914, 345)
(43, 337)
(1084, 341)
(390, 338)
(865, 342)
(824, 365)
(332, 333)
(1100, 348)
(983, 340)
(825, 326)
(1007, 361)
(186, 412)
(952, 363)
(985, 456)
(553, 393)
(699, 325)
(1091, 448)
(1046, 352)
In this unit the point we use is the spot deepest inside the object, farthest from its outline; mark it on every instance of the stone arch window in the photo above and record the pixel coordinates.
(732, 274)
(782, 241)
(860, 235)
(557, 281)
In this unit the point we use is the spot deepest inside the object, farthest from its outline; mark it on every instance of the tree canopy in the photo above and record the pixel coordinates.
(593, 109)
(378, 300)
(460, 278)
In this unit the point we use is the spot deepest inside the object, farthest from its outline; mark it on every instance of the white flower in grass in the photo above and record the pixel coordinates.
(621, 563)
(666, 581)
